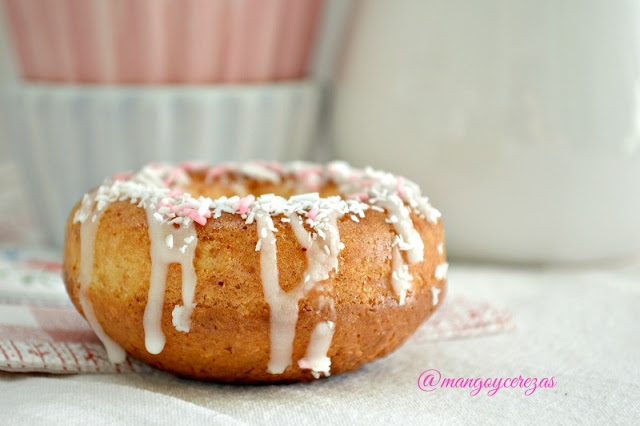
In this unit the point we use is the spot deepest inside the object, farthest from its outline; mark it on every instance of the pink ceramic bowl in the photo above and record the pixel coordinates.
(163, 41)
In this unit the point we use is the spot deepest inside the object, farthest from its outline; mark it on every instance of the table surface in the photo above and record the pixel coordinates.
(579, 326)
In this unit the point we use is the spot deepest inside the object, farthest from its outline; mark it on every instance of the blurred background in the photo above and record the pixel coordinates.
(520, 119)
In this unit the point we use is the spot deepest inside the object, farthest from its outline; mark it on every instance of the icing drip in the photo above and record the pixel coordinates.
(322, 257)
(316, 358)
(283, 306)
(88, 230)
(400, 276)
(304, 238)
(168, 245)
(408, 238)
(431, 214)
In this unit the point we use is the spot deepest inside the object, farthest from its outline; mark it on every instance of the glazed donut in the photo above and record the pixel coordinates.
(205, 272)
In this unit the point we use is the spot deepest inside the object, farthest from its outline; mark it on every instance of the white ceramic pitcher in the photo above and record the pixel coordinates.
(519, 118)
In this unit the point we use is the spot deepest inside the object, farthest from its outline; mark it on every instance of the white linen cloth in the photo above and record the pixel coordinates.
(580, 326)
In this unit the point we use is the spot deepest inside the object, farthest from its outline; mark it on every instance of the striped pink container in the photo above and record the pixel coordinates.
(163, 41)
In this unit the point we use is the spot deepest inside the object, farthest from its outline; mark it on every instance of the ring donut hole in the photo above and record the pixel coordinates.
(232, 183)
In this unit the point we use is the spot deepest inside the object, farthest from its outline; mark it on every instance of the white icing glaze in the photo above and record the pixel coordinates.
(316, 358)
(304, 238)
(164, 252)
(408, 238)
(283, 306)
(322, 257)
(400, 276)
(381, 185)
(322, 251)
(88, 230)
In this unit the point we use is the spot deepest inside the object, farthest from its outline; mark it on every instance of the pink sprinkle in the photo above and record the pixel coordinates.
(360, 197)
(197, 218)
(313, 213)
(175, 192)
(118, 177)
(276, 167)
(310, 171)
(173, 176)
(178, 208)
(194, 166)
(164, 203)
(193, 214)
(215, 172)
(245, 203)
(400, 185)
(332, 170)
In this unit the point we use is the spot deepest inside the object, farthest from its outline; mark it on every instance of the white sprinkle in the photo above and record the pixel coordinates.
(157, 216)
(189, 239)
(435, 292)
(440, 248)
(355, 218)
(441, 271)
(169, 241)
(327, 250)
(434, 215)
(183, 249)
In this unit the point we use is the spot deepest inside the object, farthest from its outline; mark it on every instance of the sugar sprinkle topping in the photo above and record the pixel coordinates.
(159, 187)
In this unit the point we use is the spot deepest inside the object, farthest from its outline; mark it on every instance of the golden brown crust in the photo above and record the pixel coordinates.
(229, 335)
